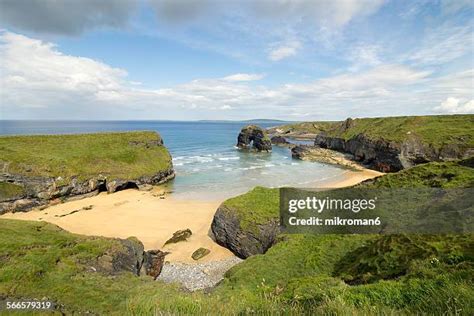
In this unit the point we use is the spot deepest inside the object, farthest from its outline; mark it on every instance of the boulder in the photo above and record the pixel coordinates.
(153, 262)
(200, 253)
(254, 137)
(243, 243)
(127, 257)
(180, 235)
(279, 141)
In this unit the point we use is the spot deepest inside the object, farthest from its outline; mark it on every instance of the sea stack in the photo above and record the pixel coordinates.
(255, 138)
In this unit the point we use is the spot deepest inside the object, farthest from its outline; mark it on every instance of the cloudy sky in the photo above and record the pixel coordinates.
(211, 59)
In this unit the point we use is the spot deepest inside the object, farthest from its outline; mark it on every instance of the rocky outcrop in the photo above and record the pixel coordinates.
(229, 233)
(153, 261)
(313, 153)
(180, 235)
(390, 156)
(280, 141)
(127, 257)
(254, 137)
(38, 191)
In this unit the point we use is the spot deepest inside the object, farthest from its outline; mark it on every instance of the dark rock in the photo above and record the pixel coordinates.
(279, 140)
(200, 253)
(243, 243)
(153, 262)
(180, 235)
(128, 257)
(254, 137)
(40, 191)
(389, 156)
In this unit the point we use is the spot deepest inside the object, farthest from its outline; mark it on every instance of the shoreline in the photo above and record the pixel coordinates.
(152, 217)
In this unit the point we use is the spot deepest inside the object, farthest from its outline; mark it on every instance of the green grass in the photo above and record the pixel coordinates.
(434, 130)
(454, 174)
(116, 155)
(304, 127)
(255, 207)
(10, 191)
(298, 275)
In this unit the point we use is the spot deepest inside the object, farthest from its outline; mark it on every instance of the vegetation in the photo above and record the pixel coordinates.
(453, 174)
(10, 191)
(125, 155)
(300, 274)
(255, 207)
(302, 128)
(435, 130)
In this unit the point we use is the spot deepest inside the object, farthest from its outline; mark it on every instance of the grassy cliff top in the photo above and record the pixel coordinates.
(452, 174)
(126, 155)
(301, 128)
(255, 207)
(435, 130)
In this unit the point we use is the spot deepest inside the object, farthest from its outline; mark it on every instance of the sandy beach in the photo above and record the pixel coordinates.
(352, 178)
(151, 216)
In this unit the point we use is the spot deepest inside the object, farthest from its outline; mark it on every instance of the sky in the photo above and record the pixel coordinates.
(210, 59)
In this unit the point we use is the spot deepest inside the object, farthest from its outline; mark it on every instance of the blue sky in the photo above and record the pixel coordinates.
(209, 59)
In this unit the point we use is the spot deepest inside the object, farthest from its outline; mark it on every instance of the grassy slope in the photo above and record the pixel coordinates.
(84, 155)
(436, 130)
(297, 275)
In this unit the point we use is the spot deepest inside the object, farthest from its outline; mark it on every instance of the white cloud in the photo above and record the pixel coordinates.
(284, 51)
(364, 55)
(444, 44)
(454, 105)
(38, 81)
(244, 77)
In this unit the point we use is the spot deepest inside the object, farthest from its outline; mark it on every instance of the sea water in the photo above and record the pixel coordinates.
(208, 165)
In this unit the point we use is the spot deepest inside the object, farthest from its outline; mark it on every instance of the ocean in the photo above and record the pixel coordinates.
(208, 165)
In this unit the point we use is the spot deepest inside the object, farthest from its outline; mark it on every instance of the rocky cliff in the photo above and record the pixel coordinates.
(106, 162)
(228, 232)
(254, 137)
(248, 224)
(388, 145)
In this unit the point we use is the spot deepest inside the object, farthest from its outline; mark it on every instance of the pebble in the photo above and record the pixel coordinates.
(197, 276)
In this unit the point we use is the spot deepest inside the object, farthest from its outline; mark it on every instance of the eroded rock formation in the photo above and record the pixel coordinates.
(254, 137)
(390, 156)
(229, 233)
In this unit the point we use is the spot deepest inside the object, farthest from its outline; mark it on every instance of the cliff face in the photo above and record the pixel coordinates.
(228, 232)
(390, 154)
(99, 162)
